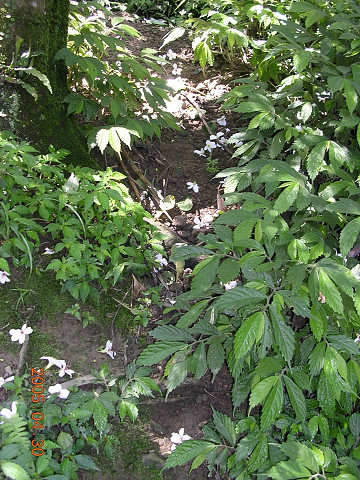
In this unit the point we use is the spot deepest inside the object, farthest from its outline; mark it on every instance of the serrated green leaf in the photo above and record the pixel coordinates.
(86, 462)
(186, 451)
(225, 426)
(283, 334)
(289, 470)
(273, 405)
(330, 293)
(259, 455)
(251, 329)
(102, 139)
(354, 424)
(261, 391)
(176, 376)
(171, 333)
(301, 60)
(351, 95)
(204, 273)
(199, 358)
(100, 415)
(316, 359)
(192, 315)
(239, 297)
(296, 397)
(65, 441)
(229, 269)
(158, 351)
(315, 160)
(325, 395)
(348, 236)
(306, 111)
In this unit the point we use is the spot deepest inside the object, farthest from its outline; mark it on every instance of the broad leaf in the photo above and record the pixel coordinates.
(273, 405)
(251, 329)
(348, 236)
(225, 426)
(296, 398)
(283, 334)
(158, 351)
(186, 451)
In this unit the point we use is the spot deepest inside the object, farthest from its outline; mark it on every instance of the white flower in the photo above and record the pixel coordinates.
(4, 277)
(53, 361)
(217, 136)
(65, 369)
(221, 121)
(48, 251)
(298, 128)
(7, 413)
(18, 335)
(108, 350)
(193, 186)
(177, 438)
(357, 339)
(230, 285)
(159, 258)
(200, 152)
(209, 145)
(199, 224)
(239, 143)
(5, 380)
(171, 55)
(143, 195)
(63, 392)
(176, 70)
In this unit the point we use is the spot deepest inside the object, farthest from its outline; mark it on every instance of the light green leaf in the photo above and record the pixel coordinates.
(273, 405)
(173, 35)
(192, 315)
(288, 471)
(283, 334)
(185, 205)
(186, 451)
(251, 329)
(315, 160)
(102, 139)
(296, 398)
(65, 441)
(316, 358)
(261, 390)
(100, 415)
(301, 60)
(306, 111)
(229, 269)
(330, 292)
(4, 266)
(205, 273)
(239, 297)
(158, 351)
(351, 95)
(13, 470)
(349, 235)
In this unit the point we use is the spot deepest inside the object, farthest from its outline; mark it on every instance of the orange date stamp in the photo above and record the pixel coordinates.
(37, 391)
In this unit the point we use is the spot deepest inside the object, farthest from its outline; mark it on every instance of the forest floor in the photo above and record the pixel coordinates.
(169, 164)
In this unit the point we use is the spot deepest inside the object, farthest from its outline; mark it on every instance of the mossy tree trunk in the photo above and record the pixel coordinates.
(42, 25)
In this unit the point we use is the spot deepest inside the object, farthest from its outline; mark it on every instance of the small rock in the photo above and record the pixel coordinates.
(9, 370)
(179, 220)
(156, 427)
(153, 460)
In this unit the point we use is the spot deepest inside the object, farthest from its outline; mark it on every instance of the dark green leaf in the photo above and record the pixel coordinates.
(158, 351)
(251, 329)
(225, 426)
(296, 398)
(186, 451)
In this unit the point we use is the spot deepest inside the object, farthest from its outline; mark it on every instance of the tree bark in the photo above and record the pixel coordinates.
(42, 25)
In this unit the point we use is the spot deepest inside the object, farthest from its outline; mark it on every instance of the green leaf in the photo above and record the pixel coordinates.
(306, 111)
(102, 139)
(65, 441)
(225, 426)
(86, 462)
(4, 266)
(259, 455)
(171, 333)
(13, 470)
(288, 471)
(229, 269)
(41, 464)
(316, 359)
(188, 450)
(273, 405)
(199, 359)
(261, 391)
(283, 334)
(296, 398)
(239, 297)
(354, 424)
(251, 329)
(173, 35)
(351, 95)
(100, 415)
(301, 60)
(158, 351)
(330, 292)
(84, 290)
(192, 315)
(104, 200)
(315, 160)
(185, 205)
(215, 356)
(205, 273)
(176, 376)
(348, 236)
(325, 395)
